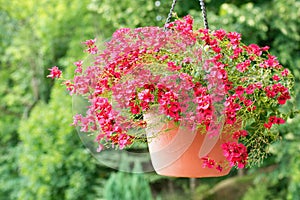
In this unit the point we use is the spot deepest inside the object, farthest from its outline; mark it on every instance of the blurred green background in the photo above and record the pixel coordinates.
(42, 156)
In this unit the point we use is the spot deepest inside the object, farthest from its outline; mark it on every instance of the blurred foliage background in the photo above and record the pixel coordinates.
(42, 156)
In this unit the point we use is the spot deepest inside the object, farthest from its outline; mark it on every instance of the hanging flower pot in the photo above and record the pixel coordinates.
(213, 97)
(182, 152)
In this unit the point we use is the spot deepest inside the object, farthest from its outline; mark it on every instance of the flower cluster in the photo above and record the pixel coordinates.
(210, 163)
(235, 153)
(54, 72)
(194, 77)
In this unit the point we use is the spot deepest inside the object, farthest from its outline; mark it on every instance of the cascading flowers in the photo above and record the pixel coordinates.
(193, 77)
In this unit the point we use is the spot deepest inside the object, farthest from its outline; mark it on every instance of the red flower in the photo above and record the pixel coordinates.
(268, 125)
(54, 72)
(247, 102)
(207, 162)
(90, 43)
(234, 38)
(242, 67)
(235, 153)
(78, 64)
(238, 134)
(274, 120)
(250, 89)
(236, 52)
(135, 109)
(219, 168)
(254, 49)
(283, 98)
(271, 62)
(276, 77)
(69, 85)
(173, 67)
(239, 90)
(285, 72)
(92, 50)
(146, 96)
(220, 34)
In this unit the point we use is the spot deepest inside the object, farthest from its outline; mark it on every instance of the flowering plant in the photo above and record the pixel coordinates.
(197, 78)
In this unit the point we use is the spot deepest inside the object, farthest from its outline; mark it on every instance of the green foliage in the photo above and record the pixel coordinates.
(52, 162)
(130, 13)
(124, 186)
(34, 35)
(288, 156)
(48, 161)
(259, 192)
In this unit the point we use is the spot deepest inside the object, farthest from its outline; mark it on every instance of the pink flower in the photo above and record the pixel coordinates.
(282, 99)
(280, 120)
(285, 72)
(69, 85)
(265, 48)
(234, 38)
(144, 105)
(274, 120)
(203, 102)
(254, 49)
(146, 96)
(250, 89)
(207, 162)
(81, 85)
(220, 34)
(164, 57)
(247, 102)
(78, 64)
(219, 168)
(251, 108)
(173, 67)
(76, 119)
(258, 85)
(230, 117)
(268, 125)
(276, 77)
(54, 72)
(215, 46)
(235, 153)
(242, 67)
(92, 50)
(238, 134)
(121, 139)
(90, 43)
(205, 37)
(236, 52)
(239, 90)
(271, 62)
(269, 92)
(189, 20)
(135, 109)
(124, 140)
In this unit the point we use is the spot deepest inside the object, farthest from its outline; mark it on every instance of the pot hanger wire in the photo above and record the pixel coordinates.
(203, 9)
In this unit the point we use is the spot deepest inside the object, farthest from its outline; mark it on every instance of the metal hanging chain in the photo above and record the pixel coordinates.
(170, 13)
(202, 5)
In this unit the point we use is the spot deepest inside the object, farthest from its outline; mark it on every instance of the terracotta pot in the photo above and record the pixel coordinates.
(177, 151)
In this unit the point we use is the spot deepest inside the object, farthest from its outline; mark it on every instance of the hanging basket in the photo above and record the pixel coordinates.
(220, 99)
